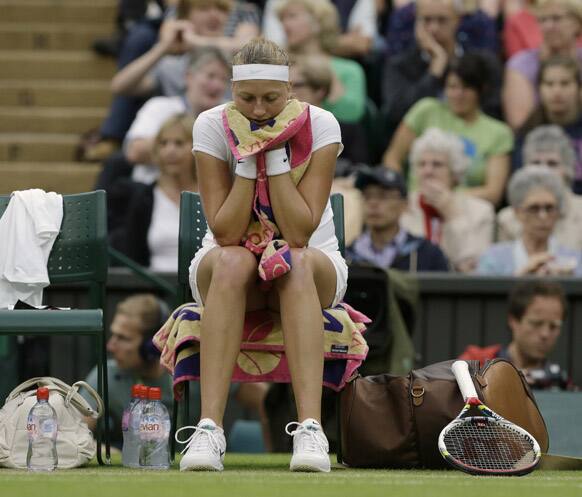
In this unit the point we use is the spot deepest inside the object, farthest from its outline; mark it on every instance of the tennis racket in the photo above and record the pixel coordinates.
(480, 442)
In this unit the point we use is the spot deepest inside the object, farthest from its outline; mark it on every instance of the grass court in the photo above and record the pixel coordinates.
(267, 475)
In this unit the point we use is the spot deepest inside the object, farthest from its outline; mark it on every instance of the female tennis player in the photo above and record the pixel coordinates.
(265, 167)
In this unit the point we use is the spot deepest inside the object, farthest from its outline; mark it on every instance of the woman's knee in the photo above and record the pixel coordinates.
(302, 270)
(234, 267)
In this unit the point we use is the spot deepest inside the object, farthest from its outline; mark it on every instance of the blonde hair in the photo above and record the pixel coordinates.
(142, 307)
(261, 51)
(326, 16)
(185, 6)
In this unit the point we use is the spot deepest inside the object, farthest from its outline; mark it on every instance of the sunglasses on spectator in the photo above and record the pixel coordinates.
(537, 209)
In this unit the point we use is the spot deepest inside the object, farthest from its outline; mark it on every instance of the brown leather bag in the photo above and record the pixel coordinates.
(389, 421)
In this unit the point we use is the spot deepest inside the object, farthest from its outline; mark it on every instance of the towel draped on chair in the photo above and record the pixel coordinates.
(261, 356)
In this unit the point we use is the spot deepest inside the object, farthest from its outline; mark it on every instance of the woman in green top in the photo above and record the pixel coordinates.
(312, 28)
(487, 141)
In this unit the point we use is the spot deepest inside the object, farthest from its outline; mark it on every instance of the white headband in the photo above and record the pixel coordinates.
(260, 71)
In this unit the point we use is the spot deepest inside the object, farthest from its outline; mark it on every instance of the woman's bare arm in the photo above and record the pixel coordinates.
(227, 203)
(496, 176)
(298, 209)
(518, 99)
(397, 152)
(134, 79)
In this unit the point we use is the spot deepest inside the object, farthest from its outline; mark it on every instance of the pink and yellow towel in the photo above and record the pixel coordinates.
(291, 127)
(262, 353)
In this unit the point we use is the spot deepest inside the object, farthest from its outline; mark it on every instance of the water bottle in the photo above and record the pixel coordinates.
(130, 427)
(154, 431)
(41, 426)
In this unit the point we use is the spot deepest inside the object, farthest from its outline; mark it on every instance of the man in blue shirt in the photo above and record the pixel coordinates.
(384, 242)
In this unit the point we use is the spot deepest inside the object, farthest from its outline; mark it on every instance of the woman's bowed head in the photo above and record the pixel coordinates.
(270, 245)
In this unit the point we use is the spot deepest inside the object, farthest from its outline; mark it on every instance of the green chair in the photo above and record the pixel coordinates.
(192, 230)
(79, 254)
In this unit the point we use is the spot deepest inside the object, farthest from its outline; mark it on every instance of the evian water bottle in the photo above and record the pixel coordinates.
(154, 430)
(130, 426)
(41, 426)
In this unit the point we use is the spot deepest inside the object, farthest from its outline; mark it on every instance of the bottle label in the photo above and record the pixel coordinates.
(150, 428)
(46, 429)
(31, 428)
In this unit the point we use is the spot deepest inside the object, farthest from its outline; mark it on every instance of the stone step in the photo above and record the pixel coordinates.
(23, 64)
(44, 36)
(50, 120)
(38, 147)
(71, 177)
(54, 93)
(70, 11)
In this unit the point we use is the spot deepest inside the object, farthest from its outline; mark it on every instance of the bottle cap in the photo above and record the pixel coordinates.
(143, 392)
(135, 391)
(154, 393)
(42, 393)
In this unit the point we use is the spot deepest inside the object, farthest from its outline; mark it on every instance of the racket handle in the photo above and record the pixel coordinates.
(464, 380)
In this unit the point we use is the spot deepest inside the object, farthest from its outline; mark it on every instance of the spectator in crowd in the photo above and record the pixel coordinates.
(420, 71)
(536, 311)
(138, 25)
(561, 25)
(200, 23)
(560, 88)
(521, 28)
(357, 19)
(311, 78)
(206, 83)
(385, 243)
(312, 27)
(135, 359)
(461, 224)
(538, 198)
(487, 141)
(148, 67)
(477, 28)
(131, 13)
(549, 146)
(150, 232)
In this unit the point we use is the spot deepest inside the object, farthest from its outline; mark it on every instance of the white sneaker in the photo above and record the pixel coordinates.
(205, 447)
(310, 447)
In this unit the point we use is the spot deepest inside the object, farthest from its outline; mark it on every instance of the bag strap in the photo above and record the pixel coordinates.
(70, 393)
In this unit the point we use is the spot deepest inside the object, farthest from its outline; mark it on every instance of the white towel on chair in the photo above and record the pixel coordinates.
(28, 230)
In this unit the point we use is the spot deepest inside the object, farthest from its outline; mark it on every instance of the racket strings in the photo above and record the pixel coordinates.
(490, 446)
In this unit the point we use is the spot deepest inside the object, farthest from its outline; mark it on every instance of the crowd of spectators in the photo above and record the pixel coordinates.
(459, 98)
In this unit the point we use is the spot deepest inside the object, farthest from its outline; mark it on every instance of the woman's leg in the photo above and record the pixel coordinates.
(302, 292)
(226, 280)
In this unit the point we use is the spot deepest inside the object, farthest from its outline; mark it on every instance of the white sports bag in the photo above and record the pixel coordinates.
(75, 443)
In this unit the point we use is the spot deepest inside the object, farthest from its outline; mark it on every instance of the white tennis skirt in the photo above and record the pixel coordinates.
(339, 263)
